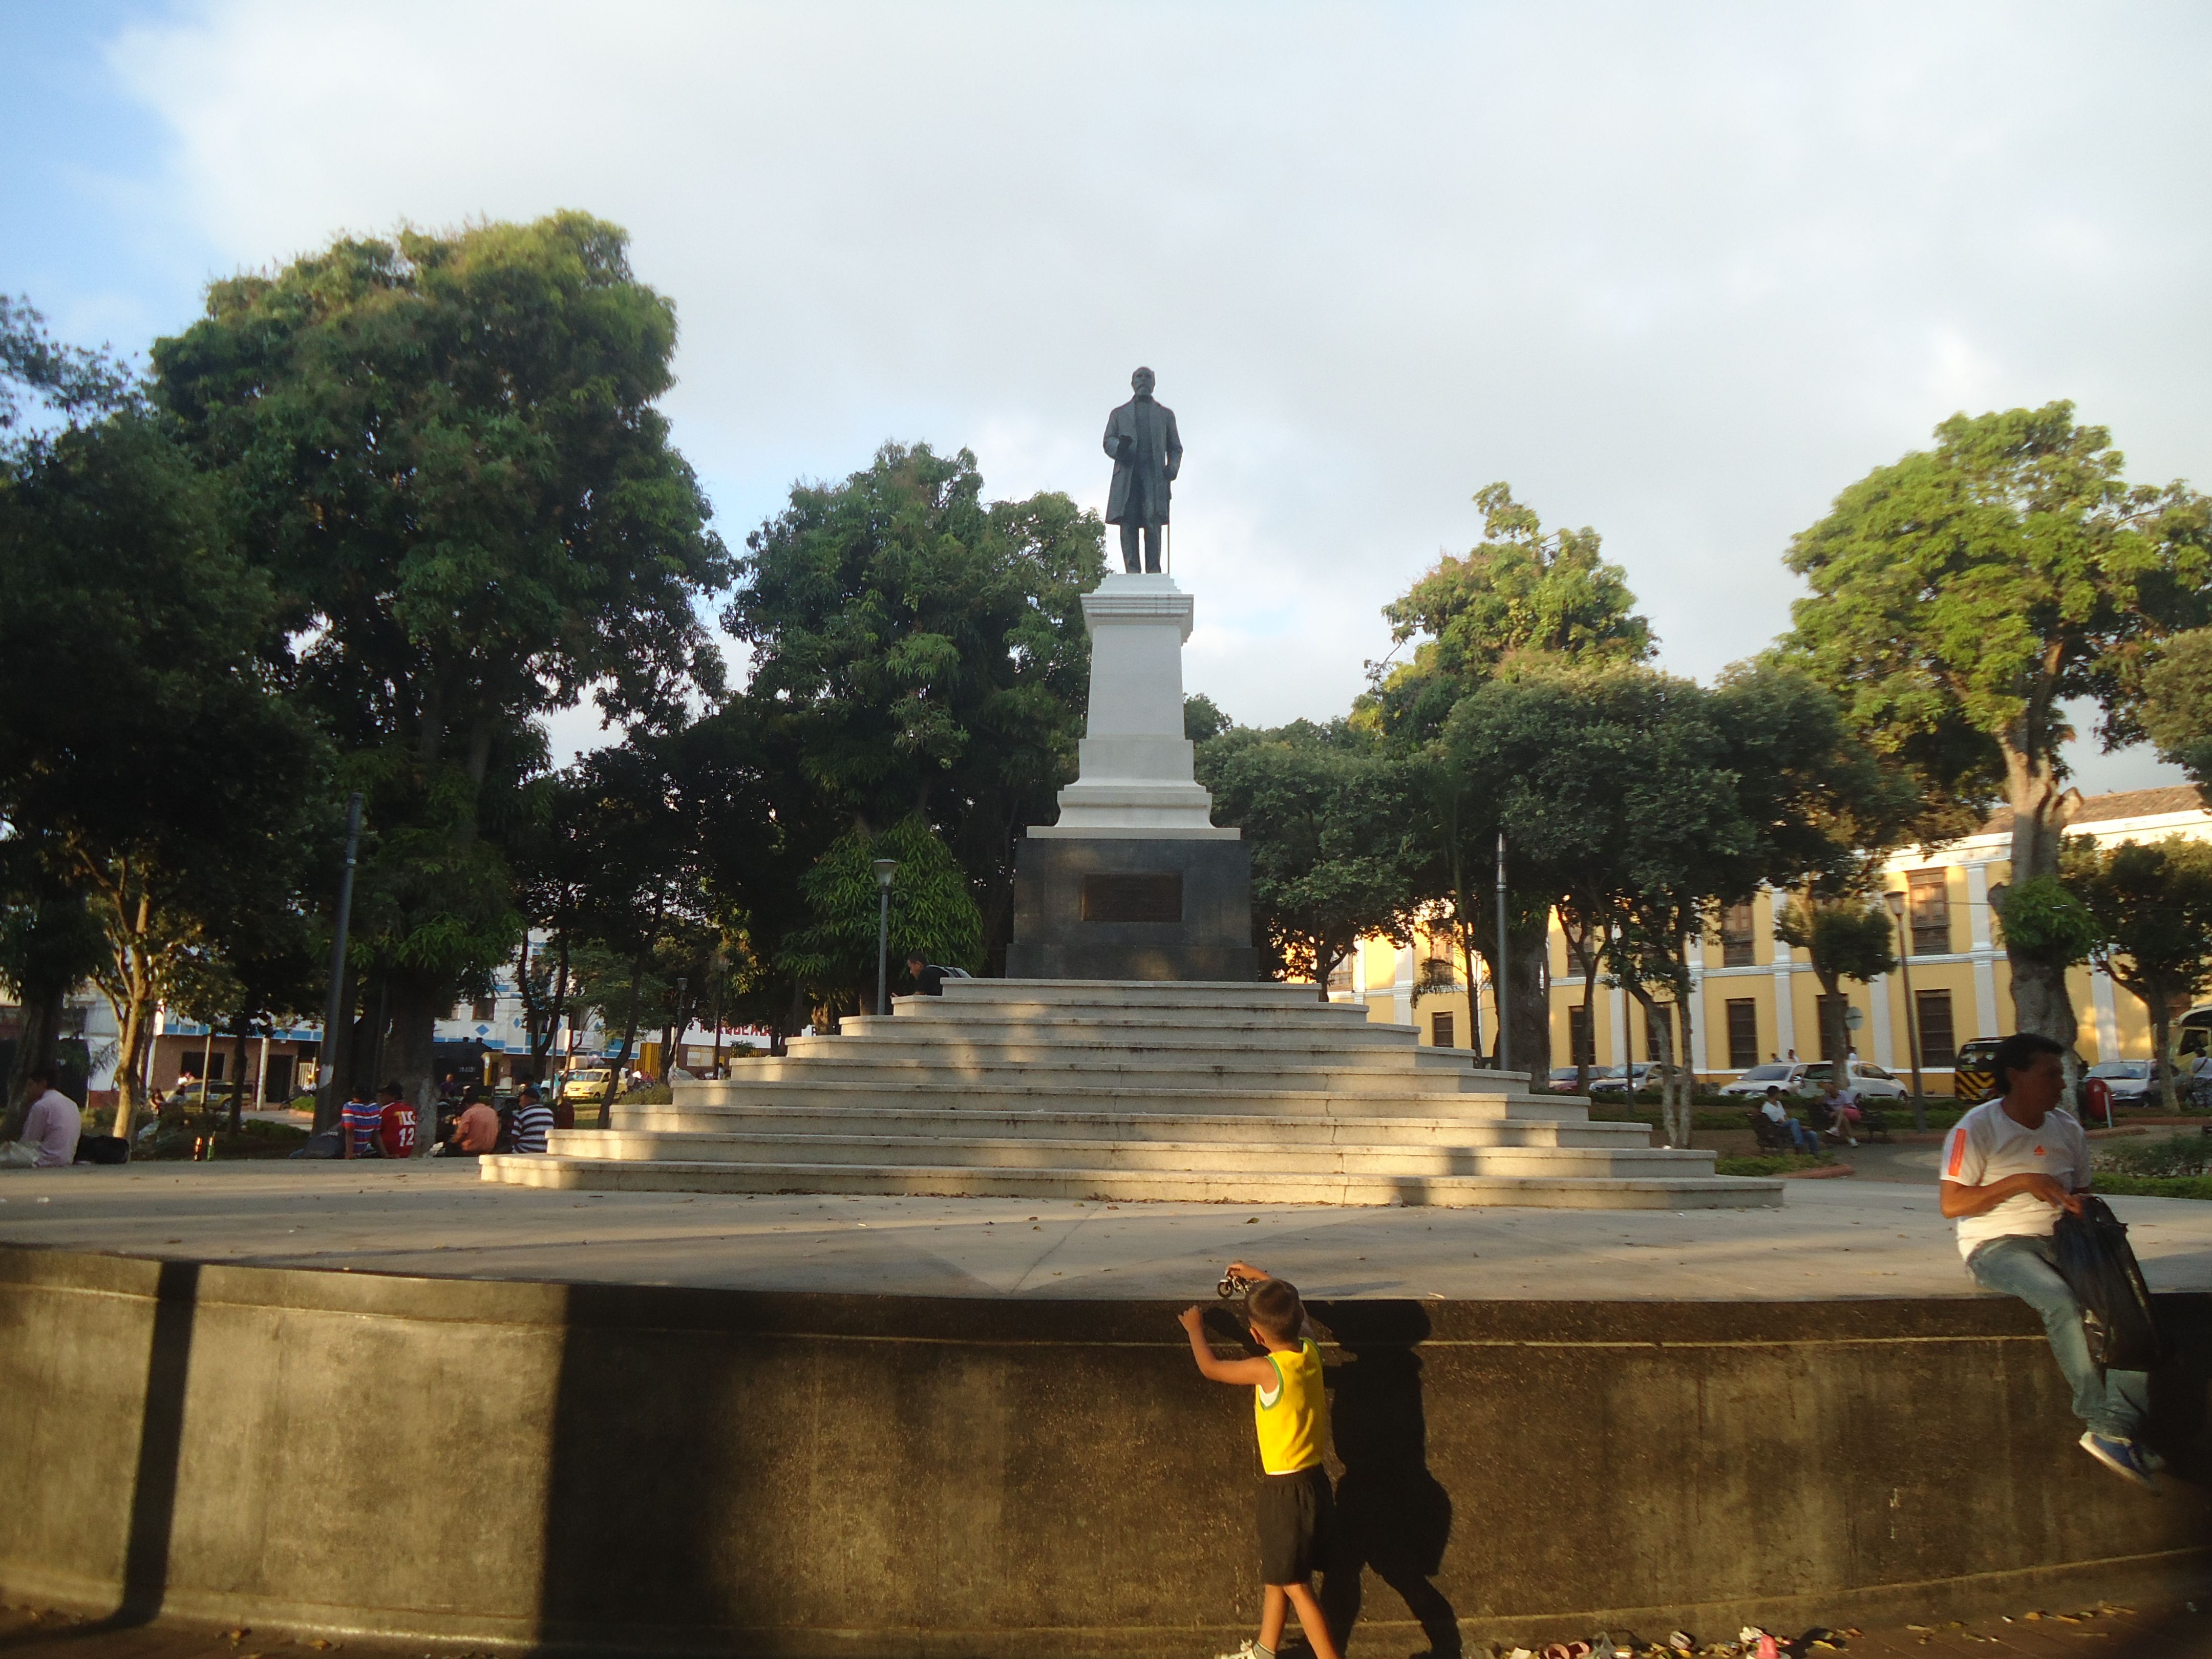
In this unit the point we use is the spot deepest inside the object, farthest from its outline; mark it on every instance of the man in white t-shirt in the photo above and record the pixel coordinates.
(2010, 1167)
(50, 1128)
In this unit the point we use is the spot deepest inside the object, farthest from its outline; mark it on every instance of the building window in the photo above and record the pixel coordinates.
(1580, 1049)
(1440, 1030)
(481, 1008)
(1939, 1046)
(1735, 936)
(1340, 977)
(1930, 910)
(1743, 1033)
(1654, 1030)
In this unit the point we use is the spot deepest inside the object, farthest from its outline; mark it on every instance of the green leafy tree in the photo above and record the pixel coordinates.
(925, 652)
(2176, 708)
(1962, 595)
(1843, 939)
(147, 760)
(1522, 593)
(50, 944)
(2151, 907)
(1330, 812)
(1638, 803)
(932, 914)
(446, 453)
(1521, 588)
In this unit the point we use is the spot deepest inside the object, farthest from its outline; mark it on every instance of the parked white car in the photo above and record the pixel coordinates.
(1802, 1078)
(2131, 1081)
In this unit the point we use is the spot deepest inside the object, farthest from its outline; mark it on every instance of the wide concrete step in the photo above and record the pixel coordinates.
(1136, 1186)
(1280, 1128)
(1034, 1152)
(856, 1066)
(1126, 994)
(1359, 1042)
(1346, 1020)
(1011, 1048)
(1022, 1089)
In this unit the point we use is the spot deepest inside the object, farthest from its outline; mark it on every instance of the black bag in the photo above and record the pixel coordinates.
(102, 1149)
(2099, 1266)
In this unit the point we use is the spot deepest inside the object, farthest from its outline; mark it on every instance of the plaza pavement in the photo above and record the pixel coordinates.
(1876, 1234)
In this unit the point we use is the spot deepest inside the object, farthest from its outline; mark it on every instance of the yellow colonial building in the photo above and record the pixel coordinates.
(1757, 999)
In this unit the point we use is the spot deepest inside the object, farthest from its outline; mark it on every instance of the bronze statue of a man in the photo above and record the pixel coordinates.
(1147, 453)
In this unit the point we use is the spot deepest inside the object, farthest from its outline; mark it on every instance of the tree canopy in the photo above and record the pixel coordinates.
(1962, 595)
(1331, 815)
(2151, 908)
(443, 452)
(925, 652)
(2176, 708)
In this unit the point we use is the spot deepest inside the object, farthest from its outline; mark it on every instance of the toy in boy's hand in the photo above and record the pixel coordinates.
(1232, 1284)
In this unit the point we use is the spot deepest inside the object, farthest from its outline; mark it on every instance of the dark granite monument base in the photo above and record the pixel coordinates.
(1111, 907)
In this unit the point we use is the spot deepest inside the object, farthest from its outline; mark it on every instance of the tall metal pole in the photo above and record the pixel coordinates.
(1499, 980)
(1896, 902)
(326, 1105)
(883, 869)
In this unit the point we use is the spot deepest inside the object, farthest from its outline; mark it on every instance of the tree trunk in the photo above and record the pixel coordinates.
(1684, 1014)
(1835, 1033)
(41, 1037)
(239, 1023)
(1530, 968)
(629, 1040)
(411, 1058)
(1673, 1125)
(131, 991)
(2039, 1000)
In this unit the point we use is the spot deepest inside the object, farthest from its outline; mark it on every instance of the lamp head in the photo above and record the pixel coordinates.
(883, 868)
(1895, 901)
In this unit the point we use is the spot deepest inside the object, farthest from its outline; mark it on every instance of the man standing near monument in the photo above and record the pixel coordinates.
(1141, 437)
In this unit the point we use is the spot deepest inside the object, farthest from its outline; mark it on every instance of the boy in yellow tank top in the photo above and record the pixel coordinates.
(1290, 1409)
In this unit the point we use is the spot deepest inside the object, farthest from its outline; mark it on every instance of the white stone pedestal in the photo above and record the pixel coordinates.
(1133, 770)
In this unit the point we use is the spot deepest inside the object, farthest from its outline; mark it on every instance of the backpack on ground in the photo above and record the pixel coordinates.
(2100, 1267)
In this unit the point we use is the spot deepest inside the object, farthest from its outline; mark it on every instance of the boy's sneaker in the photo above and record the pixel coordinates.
(2123, 1458)
(1247, 1649)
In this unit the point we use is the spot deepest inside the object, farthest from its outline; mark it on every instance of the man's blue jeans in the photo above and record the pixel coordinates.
(2113, 1403)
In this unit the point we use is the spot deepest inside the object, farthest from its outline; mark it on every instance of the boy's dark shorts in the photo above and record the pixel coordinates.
(1297, 1525)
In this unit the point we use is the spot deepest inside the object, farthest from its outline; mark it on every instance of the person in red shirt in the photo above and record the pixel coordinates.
(397, 1121)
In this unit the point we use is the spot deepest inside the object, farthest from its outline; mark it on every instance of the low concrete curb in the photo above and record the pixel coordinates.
(641, 1467)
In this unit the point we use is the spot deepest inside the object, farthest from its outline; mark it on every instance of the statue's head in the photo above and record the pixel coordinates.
(1142, 381)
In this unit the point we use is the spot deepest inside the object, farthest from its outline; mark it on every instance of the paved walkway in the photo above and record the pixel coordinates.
(2110, 1632)
(1857, 1236)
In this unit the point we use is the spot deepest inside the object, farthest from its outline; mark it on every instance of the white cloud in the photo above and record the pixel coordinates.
(1679, 274)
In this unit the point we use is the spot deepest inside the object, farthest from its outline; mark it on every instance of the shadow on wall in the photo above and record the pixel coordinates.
(161, 1449)
(1396, 1515)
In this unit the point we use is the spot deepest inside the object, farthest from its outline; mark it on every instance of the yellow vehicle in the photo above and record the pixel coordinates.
(1973, 1082)
(585, 1088)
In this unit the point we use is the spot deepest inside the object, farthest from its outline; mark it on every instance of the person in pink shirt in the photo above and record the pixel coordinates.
(50, 1128)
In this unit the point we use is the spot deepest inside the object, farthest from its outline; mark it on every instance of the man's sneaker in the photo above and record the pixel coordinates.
(1247, 1649)
(2123, 1458)
(2150, 1459)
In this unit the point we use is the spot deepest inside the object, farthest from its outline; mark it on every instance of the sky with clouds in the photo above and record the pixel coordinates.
(1679, 273)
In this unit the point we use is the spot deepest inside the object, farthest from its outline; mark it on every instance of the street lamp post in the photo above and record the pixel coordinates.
(326, 1109)
(1504, 974)
(883, 869)
(1896, 902)
(676, 1037)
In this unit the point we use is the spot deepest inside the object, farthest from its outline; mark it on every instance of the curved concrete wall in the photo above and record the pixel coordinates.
(811, 1474)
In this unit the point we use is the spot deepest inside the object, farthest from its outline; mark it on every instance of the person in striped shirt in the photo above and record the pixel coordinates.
(359, 1118)
(533, 1120)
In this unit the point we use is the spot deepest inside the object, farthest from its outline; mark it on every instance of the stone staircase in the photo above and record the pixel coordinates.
(1123, 1092)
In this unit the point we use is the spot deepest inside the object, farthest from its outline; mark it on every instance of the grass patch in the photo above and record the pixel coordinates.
(2128, 1186)
(2160, 1157)
(1770, 1164)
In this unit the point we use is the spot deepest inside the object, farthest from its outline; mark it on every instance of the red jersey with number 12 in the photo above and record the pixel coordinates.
(398, 1135)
